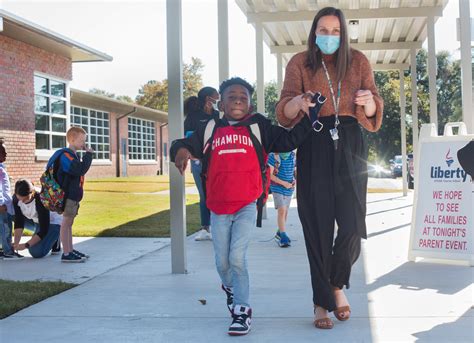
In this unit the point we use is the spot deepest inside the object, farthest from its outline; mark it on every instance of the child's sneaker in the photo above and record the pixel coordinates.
(56, 249)
(12, 257)
(71, 258)
(230, 298)
(80, 254)
(203, 235)
(282, 239)
(241, 321)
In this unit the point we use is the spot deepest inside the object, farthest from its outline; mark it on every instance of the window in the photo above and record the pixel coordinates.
(97, 126)
(141, 139)
(50, 113)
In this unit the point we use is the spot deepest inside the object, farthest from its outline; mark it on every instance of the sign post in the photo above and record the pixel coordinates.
(443, 214)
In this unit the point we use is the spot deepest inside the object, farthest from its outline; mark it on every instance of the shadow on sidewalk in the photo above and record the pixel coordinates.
(155, 225)
(450, 332)
(418, 276)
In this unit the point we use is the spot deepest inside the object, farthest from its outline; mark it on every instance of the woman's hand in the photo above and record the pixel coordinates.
(364, 97)
(299, 103)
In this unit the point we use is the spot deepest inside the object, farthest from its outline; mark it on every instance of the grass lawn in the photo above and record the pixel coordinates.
(134, 184)
(17, 295)
(108, 214)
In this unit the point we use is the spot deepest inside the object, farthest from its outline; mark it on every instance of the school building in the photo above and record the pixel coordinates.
(37, 106)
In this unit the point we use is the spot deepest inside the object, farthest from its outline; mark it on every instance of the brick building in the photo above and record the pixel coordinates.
(37, 106)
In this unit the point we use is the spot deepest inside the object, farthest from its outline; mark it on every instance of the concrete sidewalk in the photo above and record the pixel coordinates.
(391, 299)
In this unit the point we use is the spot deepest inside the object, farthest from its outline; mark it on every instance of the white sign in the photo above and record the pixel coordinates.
(443, 216)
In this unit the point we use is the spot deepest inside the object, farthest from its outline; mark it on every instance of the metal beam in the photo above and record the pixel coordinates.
(414, 102)
(279, 73)
(175, 113)
(223, 39)
(260, 71)
(403, 132)
(432, 72)
(390, 66)
(374, 13)
(359, 46)
(466, 65)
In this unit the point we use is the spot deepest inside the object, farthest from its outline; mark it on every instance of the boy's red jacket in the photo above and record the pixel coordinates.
(234, 176)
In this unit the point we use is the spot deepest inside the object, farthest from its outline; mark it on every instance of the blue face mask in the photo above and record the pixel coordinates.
(328, 44)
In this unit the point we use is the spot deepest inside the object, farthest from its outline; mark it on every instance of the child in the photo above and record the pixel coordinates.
(282, 171)
(6, 209)
(233, 180)
(29, 208)
(70, 176)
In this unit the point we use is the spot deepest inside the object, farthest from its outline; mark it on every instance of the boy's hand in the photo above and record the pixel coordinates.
(287, 185)
(181, 159)
(3, 209)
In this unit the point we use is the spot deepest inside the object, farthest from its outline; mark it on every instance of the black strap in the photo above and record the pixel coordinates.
(263, 168)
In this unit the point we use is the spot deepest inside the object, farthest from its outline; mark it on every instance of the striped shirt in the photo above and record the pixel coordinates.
(284, 169)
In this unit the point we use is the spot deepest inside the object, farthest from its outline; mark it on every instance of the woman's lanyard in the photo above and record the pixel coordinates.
(335, 102)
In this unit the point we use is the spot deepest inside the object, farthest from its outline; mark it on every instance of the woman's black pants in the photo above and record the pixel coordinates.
(332, 188)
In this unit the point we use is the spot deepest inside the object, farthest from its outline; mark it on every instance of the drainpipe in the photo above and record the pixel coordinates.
(117, 120)
(161, 147)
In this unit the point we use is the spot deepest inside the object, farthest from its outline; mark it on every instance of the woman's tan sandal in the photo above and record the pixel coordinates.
(323, 323)
(340, 310)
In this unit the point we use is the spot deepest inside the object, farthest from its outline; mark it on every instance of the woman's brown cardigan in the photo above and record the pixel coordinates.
(299, 79)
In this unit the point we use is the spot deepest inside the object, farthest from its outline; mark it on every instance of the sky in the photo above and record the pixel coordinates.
(134, 34)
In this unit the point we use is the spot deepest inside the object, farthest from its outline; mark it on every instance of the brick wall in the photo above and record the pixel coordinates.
(18, 63)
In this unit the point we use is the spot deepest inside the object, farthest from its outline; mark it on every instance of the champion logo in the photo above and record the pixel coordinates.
(449, 159)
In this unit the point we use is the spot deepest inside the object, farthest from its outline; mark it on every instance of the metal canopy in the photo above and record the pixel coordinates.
(388, 29)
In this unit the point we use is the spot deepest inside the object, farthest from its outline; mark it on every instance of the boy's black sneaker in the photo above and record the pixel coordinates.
(241, 321)
(230, 298)
(56, 249)
(80, 254)
(71, 258)
(14, 256)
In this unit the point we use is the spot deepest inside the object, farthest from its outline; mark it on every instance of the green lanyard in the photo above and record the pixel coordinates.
(335, 101)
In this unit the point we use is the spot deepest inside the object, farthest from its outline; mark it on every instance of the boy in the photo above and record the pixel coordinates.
(282, 174)
(233, 179)
(6, 209)
(70, 176)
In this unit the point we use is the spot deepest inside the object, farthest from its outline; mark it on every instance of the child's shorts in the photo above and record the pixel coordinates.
(71, 208)
(281, 200)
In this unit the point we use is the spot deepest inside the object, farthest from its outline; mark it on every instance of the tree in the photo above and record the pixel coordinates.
(271, 99)
(154, 94)
(386, 143)
(102, 92)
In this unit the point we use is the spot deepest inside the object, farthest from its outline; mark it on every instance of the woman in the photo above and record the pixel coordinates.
(199, 110)
(331, 163)
(29, 209)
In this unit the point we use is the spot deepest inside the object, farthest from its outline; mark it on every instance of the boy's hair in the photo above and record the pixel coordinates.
(235, 81)
(74, 132)
(23, 187)
(2, 140)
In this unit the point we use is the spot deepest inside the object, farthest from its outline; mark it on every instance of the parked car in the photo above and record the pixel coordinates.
(396, 166)
(375, 170)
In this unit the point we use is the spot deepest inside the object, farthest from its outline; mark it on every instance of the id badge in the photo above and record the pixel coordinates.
(334, 134)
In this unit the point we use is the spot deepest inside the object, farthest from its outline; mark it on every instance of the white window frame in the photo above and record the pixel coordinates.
(141, 160)
(102, 161)
(43, 154)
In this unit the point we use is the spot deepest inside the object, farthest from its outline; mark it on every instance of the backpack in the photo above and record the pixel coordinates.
(52, 196)
(255, 136)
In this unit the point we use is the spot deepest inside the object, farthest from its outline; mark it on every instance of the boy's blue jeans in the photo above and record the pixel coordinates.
(196, 169)
(231, 236)
(43, 247)
(6, 227)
